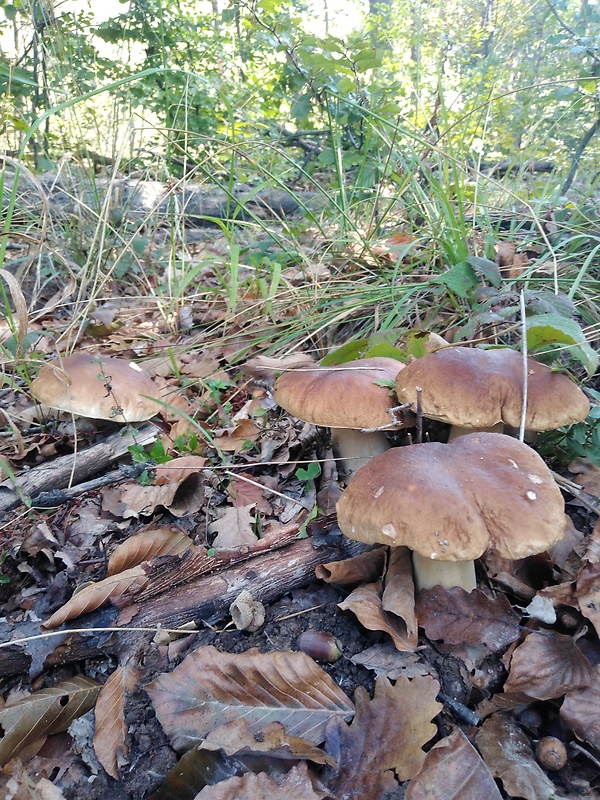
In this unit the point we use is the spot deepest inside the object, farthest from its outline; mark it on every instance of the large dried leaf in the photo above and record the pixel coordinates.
(210, 688)
(19, 783)
(581, 711)
(588, 593)
(236, 737)
(178, 486)
(547, 666)
(236, 439)
(294, 785)
(459, 617)
(387, 735)
(151, 543)
(507, 752)
(365, 603)
(364, 568)
(453, 770)
(245, 490)
(45, 712)
(111, 730)
(234, 528)
(399, 589)
(97, 594)
(195, 770)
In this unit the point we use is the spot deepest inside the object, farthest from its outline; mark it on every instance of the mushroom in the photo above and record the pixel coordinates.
(347, 399)
(450, 502)
(476, 389)
(98, 387)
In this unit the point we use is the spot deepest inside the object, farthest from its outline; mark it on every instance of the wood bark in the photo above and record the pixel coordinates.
(72, 469)
(206, 599)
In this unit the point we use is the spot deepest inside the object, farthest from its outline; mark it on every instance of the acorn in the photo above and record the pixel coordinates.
(551, 753)
(320, 646)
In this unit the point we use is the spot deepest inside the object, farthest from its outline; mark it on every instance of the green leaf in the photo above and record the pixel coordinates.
(460, 279)
(347, 352)
(384, 350)
(489, 269)
(551, 329)
(312, 471)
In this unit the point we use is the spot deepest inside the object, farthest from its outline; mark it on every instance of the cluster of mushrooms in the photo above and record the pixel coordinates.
(448, 503)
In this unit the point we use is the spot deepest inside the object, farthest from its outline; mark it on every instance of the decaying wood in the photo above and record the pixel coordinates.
(74, 468)
(266, 576)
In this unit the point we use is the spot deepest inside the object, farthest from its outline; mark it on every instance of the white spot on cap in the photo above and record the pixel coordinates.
(135, 367)
(389, 531)
(535, 479)
(433, 556)
(514, 463)
(379, 492)
(531, 496)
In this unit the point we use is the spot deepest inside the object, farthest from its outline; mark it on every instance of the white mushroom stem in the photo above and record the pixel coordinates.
(355, 448)
(430, 572)
(458, 430)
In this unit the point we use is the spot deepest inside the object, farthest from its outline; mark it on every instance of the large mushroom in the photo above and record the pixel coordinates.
(98, 387)
(449, 503)
(347, 399)
(476, 389)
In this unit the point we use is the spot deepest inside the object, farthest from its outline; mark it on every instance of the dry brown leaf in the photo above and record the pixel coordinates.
(547, 666)
(45, 712)
(385, 660)
(399, 589)
(210, 688)
(151, 543)
(246, 493)
(236, 439)
(508, 754)
(588, 593)
(453, 770)
(236, 737)
(111, 729)
(365, 603)
(178, 486)
(16, 783)
(97, 594)
(386, 736)
(459, 617)
(581, 711)
(587, 475)
(294, 785)
(364, 568)
(234, 528)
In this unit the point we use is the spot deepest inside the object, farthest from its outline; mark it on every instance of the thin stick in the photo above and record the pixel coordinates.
(419, 392)
(525, 371)
(238, 477)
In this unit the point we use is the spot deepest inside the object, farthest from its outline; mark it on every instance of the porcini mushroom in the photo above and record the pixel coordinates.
(98, 387)
(450, 502)
(347, 399)
(476, 389)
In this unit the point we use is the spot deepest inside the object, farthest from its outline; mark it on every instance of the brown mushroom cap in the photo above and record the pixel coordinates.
(340, 397)
(480, 388)
(451, 502)
(98, 387)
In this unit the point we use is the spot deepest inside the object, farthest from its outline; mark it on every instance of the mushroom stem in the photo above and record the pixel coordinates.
(429, 572)
(355, 448)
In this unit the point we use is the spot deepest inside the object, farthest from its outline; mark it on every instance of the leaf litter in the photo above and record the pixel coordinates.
(443, 697)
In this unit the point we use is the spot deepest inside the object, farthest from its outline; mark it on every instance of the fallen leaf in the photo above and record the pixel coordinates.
(588, 593)
(236, 737)
(178, 486)
(16, 783)
(548, 666)
(43, 713)
(399, 589)
(234, 528)
(385, 660)
(581, 711)
(453, 770)
(246, 493)
(386, 736)
(97, 594)
(111, 731)
(294, 785)
(364, 568)
(151, 543)
(238, 438)
(210, 688)
(507, 752)
(459, 617)
(365, 604)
